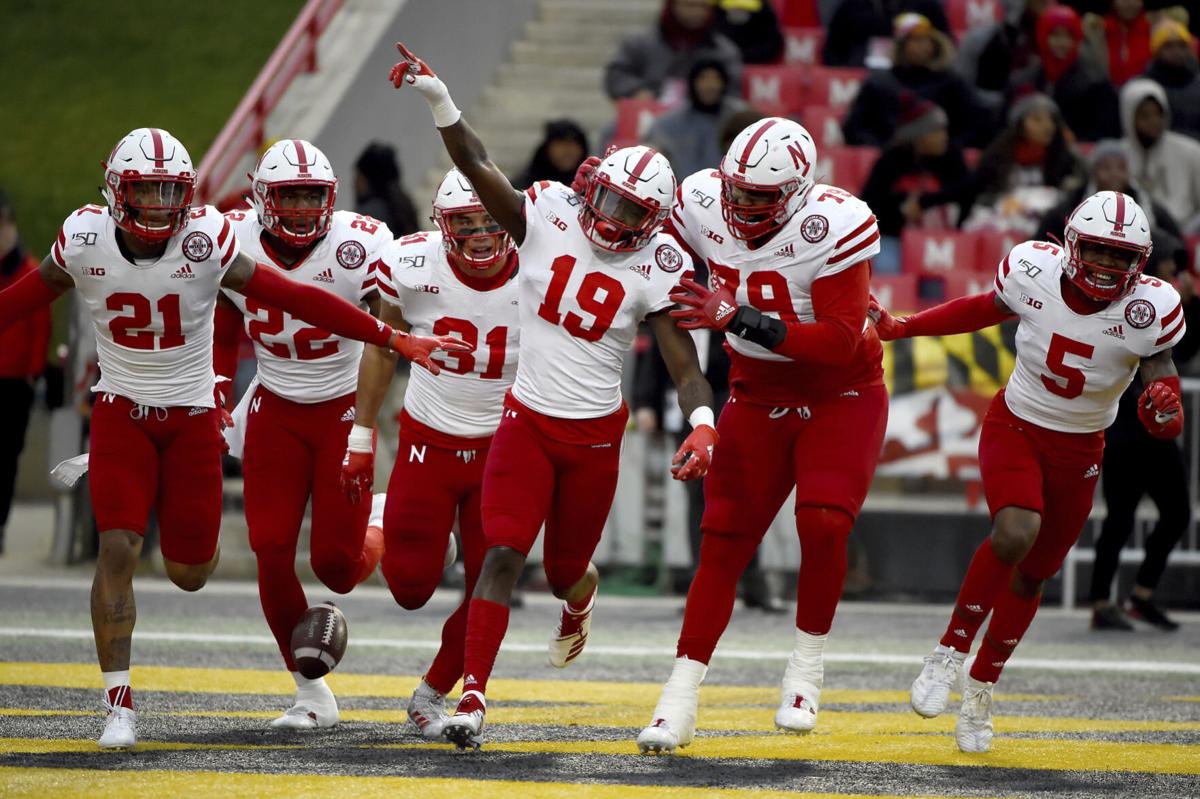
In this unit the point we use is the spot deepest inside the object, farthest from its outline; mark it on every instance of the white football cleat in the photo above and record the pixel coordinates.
(464, 727)
(315, 708)
(941, 674)
(797, 711)
(973, 732)
(674, 723)
(570, 636)
(427, 711)
(451, 553)
(120, 729)
(378, 501)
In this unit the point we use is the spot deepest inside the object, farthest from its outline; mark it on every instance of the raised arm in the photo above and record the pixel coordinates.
(502, 201)
(1159, 408)
(695, 397)
(34, 291)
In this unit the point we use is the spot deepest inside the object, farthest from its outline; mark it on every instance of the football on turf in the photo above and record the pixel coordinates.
(319, 640)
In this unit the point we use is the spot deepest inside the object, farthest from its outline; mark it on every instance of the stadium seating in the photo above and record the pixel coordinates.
(835, 87)
(824, 124)
(992, 247)
(964, 15)
(937, 253)
(896, 292)
(774, 90)
(846, 167)
(634, 118)
(803, 45)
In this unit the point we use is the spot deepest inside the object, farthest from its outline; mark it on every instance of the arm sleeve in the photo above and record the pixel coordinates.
(39, 341)
(25, 297)
(964, 315)
(315, 306)
(227, 323)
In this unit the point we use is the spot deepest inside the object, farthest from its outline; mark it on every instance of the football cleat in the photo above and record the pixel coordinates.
(315, 708)
(427, 711)
(941, 674)
(797, 712)
(464, 728)
(570, 636)
(973, 732)
(120, 728)
(674, 724)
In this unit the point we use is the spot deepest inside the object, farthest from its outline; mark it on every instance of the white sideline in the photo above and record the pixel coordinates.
(872, 658)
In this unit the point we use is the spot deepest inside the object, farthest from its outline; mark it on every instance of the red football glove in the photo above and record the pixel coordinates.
(417, 349)
(1160, 410)
(358, 466)
(702, 307)
(409, 70)
(583, 175)
(225, 419)
(887, 326)
(694, 456)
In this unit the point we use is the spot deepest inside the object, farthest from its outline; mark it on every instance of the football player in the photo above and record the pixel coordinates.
(789, 266)
(592, 268)
(1087, 321)
(149, 267)
(459, 279)
(301, 409)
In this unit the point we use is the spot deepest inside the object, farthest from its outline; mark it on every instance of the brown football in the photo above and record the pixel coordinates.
(319, 640)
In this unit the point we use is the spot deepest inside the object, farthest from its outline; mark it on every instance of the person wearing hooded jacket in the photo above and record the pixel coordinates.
(1164, 163)
(1078, 86)
(562, 149)
(988, 55)
(688, 136)
(1176, 69)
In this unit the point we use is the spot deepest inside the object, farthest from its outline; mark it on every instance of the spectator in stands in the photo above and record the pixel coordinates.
(379, 193)
(1021, 173)
(654, 64)
(863, 28)
(563, 147)
(1175, 68)
(734, 124)
(990, 54)
(753, 27)
(688, 136)
(22, 360)
(1164, 163)
(1120, 40)
(1082, 92)
(920, 179)
(922, 65)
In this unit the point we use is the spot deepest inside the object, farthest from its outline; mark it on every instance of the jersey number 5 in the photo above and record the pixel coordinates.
(1068, 380)
(599, 295)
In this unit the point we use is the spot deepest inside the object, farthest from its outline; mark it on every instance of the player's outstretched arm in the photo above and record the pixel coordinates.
(329, 312)
(678, 350)
(34, 291)
(502, 201)
(1160, 408)
(963, 315)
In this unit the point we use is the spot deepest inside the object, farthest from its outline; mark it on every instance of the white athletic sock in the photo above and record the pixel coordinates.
(114, 679)
(303, 683)
(807, 662)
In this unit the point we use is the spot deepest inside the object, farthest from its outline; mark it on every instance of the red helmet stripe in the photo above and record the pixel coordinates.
(750, 144)
(1119, 225)
(301, 157)
(158, 147)
(643, 162)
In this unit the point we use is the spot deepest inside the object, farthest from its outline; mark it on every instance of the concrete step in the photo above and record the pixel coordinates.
(638, 12)
(558, 54)
(533, 77)
(610, 30)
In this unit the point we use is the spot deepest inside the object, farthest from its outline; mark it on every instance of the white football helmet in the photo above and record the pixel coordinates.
(627, 199)
(468, 248)
(1114, 221)
(774, 161)
(293, 189)
(149, 181)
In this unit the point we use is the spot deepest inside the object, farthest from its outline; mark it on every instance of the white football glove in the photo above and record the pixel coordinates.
(416, 73)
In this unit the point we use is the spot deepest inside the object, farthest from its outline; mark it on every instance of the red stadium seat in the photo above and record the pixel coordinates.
(964, 15)
(803, 45)
(936, 253)
(634, 118)
(835, 87)
(824, 125)
(775, 90)
(797, 13)
(1193, 248)
(992, 248)
(846, 167)
(896, 292)
(964, 284)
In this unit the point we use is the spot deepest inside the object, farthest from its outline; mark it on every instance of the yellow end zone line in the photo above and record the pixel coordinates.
(87, 784)
(712, 719)
(259, 681)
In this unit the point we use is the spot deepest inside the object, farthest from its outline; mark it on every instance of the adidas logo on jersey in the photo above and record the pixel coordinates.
(1116, 331)
(184, 272)
(196, 411)
(641, 269)
(1093, 471)
(324, 277)
(975, 608)
(786, 252)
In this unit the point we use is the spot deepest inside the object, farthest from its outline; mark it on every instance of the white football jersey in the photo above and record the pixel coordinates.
(153, 318)
(1071, 369)
(831, 232)
(467, 397)
(581, 306)
(297, 361)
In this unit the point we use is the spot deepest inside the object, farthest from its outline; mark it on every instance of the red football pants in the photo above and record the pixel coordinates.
(166, 458)
(431, 483)
(294, 451)
(827, 451)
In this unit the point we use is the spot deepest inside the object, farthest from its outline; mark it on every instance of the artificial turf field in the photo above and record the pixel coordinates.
(1078, 713)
